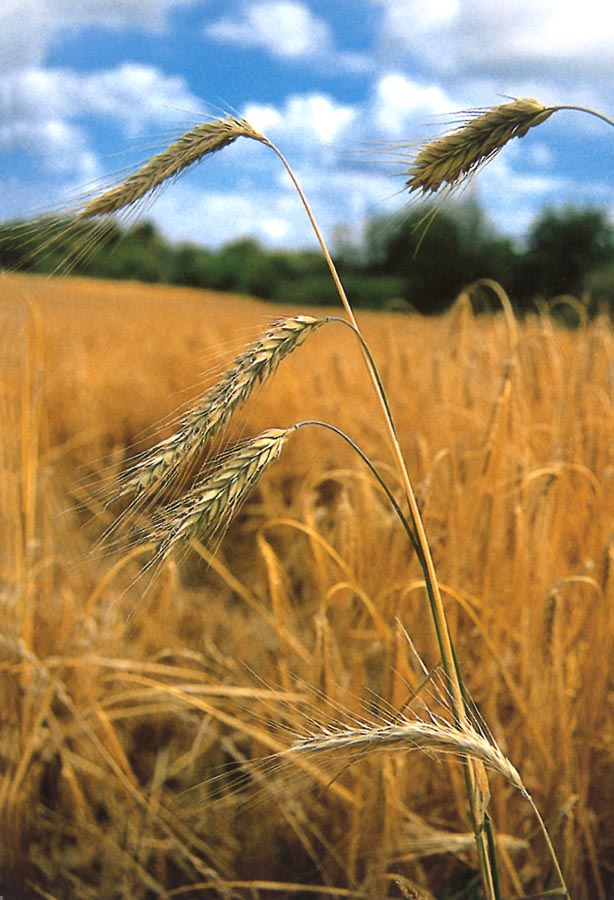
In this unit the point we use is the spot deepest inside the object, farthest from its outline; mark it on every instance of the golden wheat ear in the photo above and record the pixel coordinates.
(188, 150)
(204, 422)
(451, 159)
(207, 509)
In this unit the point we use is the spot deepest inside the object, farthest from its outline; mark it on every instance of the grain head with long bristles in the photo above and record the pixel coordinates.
(205, 421)
(451, 159)
(208, 508)
(204, 140)
(410, 735)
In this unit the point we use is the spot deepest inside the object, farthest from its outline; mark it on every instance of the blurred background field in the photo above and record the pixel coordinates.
(120, 706)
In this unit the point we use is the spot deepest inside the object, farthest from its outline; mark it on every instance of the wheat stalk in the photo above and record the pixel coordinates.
(205, 421)
(451, 159)
(204, 140)
(208, 508)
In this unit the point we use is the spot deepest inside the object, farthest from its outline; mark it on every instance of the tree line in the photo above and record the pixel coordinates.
(420, 259)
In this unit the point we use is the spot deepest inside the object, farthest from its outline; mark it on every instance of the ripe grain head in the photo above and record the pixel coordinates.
(207, 509)
(432, 736)
(454, 157)
(206, 420)
(204, 140)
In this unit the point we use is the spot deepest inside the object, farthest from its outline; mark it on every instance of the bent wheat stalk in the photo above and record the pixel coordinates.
(209, 506)
(191, 516)
(475, 776)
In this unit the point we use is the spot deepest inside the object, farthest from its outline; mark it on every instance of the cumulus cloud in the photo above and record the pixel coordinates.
(400, 106)
(307, 118)
(286, 29)
(44, 114)
(556, 39)
(199, 210)
(28, 28)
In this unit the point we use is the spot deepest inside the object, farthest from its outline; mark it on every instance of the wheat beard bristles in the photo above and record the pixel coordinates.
(205, 139)
(410, 735)
(456, 156)
(200, 425)
(208, 508)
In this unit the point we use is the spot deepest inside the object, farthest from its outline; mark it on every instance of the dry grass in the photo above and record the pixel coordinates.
(115, 730)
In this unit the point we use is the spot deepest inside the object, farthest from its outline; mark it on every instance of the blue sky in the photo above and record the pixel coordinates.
(345, 88)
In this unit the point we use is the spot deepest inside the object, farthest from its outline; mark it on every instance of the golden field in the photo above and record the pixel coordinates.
(131, 710)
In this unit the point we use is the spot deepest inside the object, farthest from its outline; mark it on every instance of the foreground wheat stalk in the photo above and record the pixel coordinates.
(209, 506)
(455, 156)
(204, 140)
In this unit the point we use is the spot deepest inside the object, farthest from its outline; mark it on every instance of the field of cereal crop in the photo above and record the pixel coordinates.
(144, 721)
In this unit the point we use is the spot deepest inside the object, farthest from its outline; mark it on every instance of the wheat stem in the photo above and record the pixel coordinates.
(584, 109)
(372, 468)
(439, 616)
(474, 775)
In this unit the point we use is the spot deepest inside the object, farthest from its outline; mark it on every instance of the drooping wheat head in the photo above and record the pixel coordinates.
(201, 424)
(207, 509)
(204, 140)
(407, 735)
(451, 159)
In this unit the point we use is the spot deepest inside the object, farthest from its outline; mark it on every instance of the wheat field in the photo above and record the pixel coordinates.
(145, 720)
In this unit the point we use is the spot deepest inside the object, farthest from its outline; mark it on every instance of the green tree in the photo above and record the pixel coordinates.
(191, 265)
(233, 265)
(438, 251)
(563, 248)
(141, 254)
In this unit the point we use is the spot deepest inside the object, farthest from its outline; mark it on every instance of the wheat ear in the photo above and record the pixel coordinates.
(412, 735)
(451, 159)
(208, 508)
(205, 421)
(204, 140)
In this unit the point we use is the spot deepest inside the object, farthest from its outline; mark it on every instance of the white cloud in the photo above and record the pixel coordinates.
(44, 116)
(402, 106)
(518, 40)
(133, 96)
(213, 216)
(286, 29)
(307, 118)
(28, 28)
(62, 146)
(194, 211)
